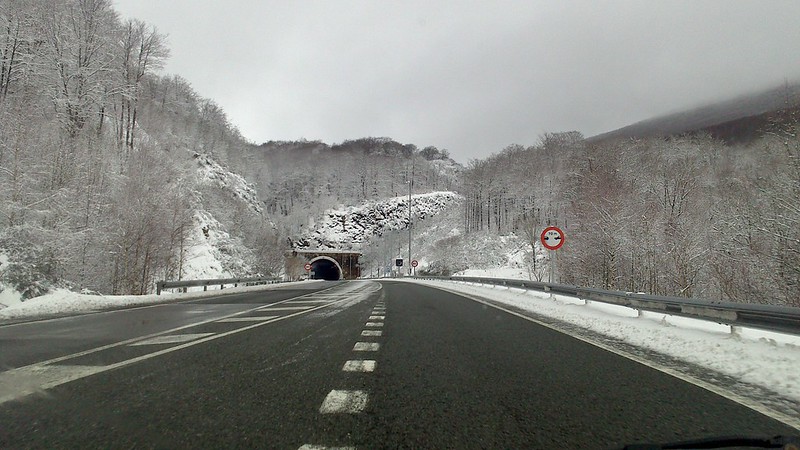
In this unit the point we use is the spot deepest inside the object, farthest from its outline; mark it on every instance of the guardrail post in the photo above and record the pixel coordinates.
(736, 331)
(640, 313)
(158, 287)
(205, 287)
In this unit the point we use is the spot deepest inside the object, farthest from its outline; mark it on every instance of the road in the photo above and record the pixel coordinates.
(360, 364)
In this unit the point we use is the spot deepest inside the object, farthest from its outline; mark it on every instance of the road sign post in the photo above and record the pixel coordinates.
(552, 239)
(414, 264)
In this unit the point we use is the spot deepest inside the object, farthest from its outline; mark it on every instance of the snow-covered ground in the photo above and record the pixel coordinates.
(758, 358)
(63, 301)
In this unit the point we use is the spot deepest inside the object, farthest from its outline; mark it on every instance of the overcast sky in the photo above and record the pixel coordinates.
(468, 76)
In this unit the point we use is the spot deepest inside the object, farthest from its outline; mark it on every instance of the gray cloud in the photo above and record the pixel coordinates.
(469, 76)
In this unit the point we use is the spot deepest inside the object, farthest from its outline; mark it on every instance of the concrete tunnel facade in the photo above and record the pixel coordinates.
(325, 264)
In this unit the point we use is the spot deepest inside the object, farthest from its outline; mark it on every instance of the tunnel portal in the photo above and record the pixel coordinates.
(323, 264)
(325, 269)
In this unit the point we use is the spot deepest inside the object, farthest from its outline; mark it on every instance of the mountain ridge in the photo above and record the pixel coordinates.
(734, 120)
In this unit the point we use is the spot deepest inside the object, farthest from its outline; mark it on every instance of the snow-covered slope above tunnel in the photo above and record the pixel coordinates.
(350, 227)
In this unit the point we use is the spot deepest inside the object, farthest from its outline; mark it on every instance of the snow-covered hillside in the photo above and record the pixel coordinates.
(212, 251)
(211, 171)
(350, 227)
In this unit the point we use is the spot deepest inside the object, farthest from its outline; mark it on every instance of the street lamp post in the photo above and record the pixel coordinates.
(409, 227)
(410, 184)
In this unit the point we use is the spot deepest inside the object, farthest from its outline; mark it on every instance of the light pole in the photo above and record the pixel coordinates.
(410, 183)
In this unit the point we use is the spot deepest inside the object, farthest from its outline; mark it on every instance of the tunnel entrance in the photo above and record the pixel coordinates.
(325, 269)
(326, 264)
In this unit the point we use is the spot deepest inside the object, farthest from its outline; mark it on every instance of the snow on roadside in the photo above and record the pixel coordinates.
(62, 301)
(757, 357)
(516, 273)
(8, 295)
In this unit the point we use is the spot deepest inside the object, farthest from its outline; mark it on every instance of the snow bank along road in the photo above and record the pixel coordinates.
(359, 364)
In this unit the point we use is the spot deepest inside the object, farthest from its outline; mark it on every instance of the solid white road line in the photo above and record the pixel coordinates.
(366, 347)
(348, 402)
(172, 339)
(373, 324)
(377, 317)
(360, 365)
(371, 333)
(248, 319)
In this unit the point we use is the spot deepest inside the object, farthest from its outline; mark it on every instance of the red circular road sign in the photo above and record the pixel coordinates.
(307, 267)
(552, 238)
(414, 263)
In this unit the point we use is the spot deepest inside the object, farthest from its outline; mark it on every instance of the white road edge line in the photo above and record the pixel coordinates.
(777, 415)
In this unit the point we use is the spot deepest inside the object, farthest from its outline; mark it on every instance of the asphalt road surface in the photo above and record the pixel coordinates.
(361, 364)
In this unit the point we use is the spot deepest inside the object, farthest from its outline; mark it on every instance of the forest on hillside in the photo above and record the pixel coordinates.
(105, 161)
(683, 215)
(97, 176)
(301, 179)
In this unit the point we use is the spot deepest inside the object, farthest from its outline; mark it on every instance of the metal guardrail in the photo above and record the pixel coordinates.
(784, 319)
(161, 285)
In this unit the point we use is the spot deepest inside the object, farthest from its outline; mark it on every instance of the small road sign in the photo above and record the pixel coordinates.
(552, 238)
(414, 263)
(398, 262)
(307, 267)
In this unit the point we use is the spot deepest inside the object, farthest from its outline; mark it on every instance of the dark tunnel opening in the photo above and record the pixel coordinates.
(323, 269)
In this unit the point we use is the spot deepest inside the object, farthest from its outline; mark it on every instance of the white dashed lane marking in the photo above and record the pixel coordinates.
(247, 319)
(348, 402)
(372, 333)
(366, 347)
(374, 324)
(360, 365)
(172, 339)
(377, 317)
